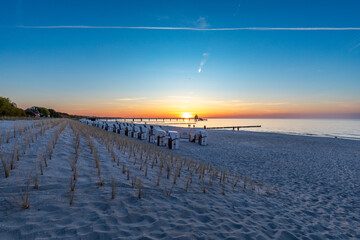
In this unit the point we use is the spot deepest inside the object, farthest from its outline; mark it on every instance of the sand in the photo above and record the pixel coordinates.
(313, 182)
(318, 178)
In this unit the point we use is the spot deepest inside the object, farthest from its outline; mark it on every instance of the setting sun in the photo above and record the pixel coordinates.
(186, 115)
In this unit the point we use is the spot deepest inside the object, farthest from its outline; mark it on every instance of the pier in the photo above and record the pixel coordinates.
(145, 119)
(233, 127)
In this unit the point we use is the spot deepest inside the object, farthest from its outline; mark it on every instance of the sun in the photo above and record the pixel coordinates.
(186, 115)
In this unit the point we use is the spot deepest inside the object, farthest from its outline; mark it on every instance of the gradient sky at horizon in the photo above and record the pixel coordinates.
(154, 72)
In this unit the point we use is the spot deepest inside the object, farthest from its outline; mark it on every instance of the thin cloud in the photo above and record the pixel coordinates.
(128, 99)
(180, 97)
(201, 23)
(237, 8)
(198, 29)
(240, 103)
(356, 46)
(160, 18)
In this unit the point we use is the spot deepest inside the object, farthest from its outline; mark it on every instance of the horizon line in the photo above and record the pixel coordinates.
(196, 29)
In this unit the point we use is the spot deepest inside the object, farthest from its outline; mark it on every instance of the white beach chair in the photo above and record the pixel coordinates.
(151, 134)
(160, 137)
(143, 132)
(203, 138)
(122, 127)
(173, 139)
(194, 135)
(128, 131)
(135, 132)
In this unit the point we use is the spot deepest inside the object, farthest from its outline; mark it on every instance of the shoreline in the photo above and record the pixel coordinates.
(297, 134)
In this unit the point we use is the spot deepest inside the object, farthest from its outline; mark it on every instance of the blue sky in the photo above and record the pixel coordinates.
(127, 72)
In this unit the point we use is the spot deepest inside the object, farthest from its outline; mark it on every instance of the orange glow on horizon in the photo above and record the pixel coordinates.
(185, 107)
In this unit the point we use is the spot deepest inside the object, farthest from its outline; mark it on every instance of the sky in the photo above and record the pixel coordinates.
(235, 58)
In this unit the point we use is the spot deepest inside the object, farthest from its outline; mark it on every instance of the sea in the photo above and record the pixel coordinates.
(339, 128)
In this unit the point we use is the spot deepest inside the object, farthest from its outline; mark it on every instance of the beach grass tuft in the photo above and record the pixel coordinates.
(139, 195)
(36, 179)
(101, 182)
(16, 151)
(113, 188)
(187, 185)
(203, 186)
(45, 161)
(7, 136)
(41, 168)
(169, 193)
(72, 184)
(50, 145)
(26, 196)
(12, 165)
(72, 195)
(5, 167)
(75, 175)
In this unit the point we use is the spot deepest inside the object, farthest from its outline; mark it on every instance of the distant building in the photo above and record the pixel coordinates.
(196, 117)
(33, 112)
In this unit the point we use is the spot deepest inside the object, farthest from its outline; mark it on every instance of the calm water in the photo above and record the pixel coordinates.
(318, 127)
(343, 128)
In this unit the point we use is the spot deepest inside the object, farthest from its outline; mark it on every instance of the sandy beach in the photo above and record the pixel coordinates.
(276, 186)
(318, 179)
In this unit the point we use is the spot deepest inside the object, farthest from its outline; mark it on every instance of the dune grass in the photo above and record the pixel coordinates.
(36, 179)
(139, 188)
(72, 195)
(123, 169)
(41, 168)
(25, 196)
(16, 151)
(187, 185)
(7, 136)
(157, 163)
(137, 161)
(5, 167)
(45, 160)
(12, 165)
(72, 184)
(113, 188)
(50, 148)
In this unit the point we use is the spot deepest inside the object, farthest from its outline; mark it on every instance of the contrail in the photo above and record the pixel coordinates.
(201, 29)
(203, 61)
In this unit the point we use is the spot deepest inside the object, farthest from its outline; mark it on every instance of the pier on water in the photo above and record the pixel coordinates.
(173, 121)
(144, 119)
